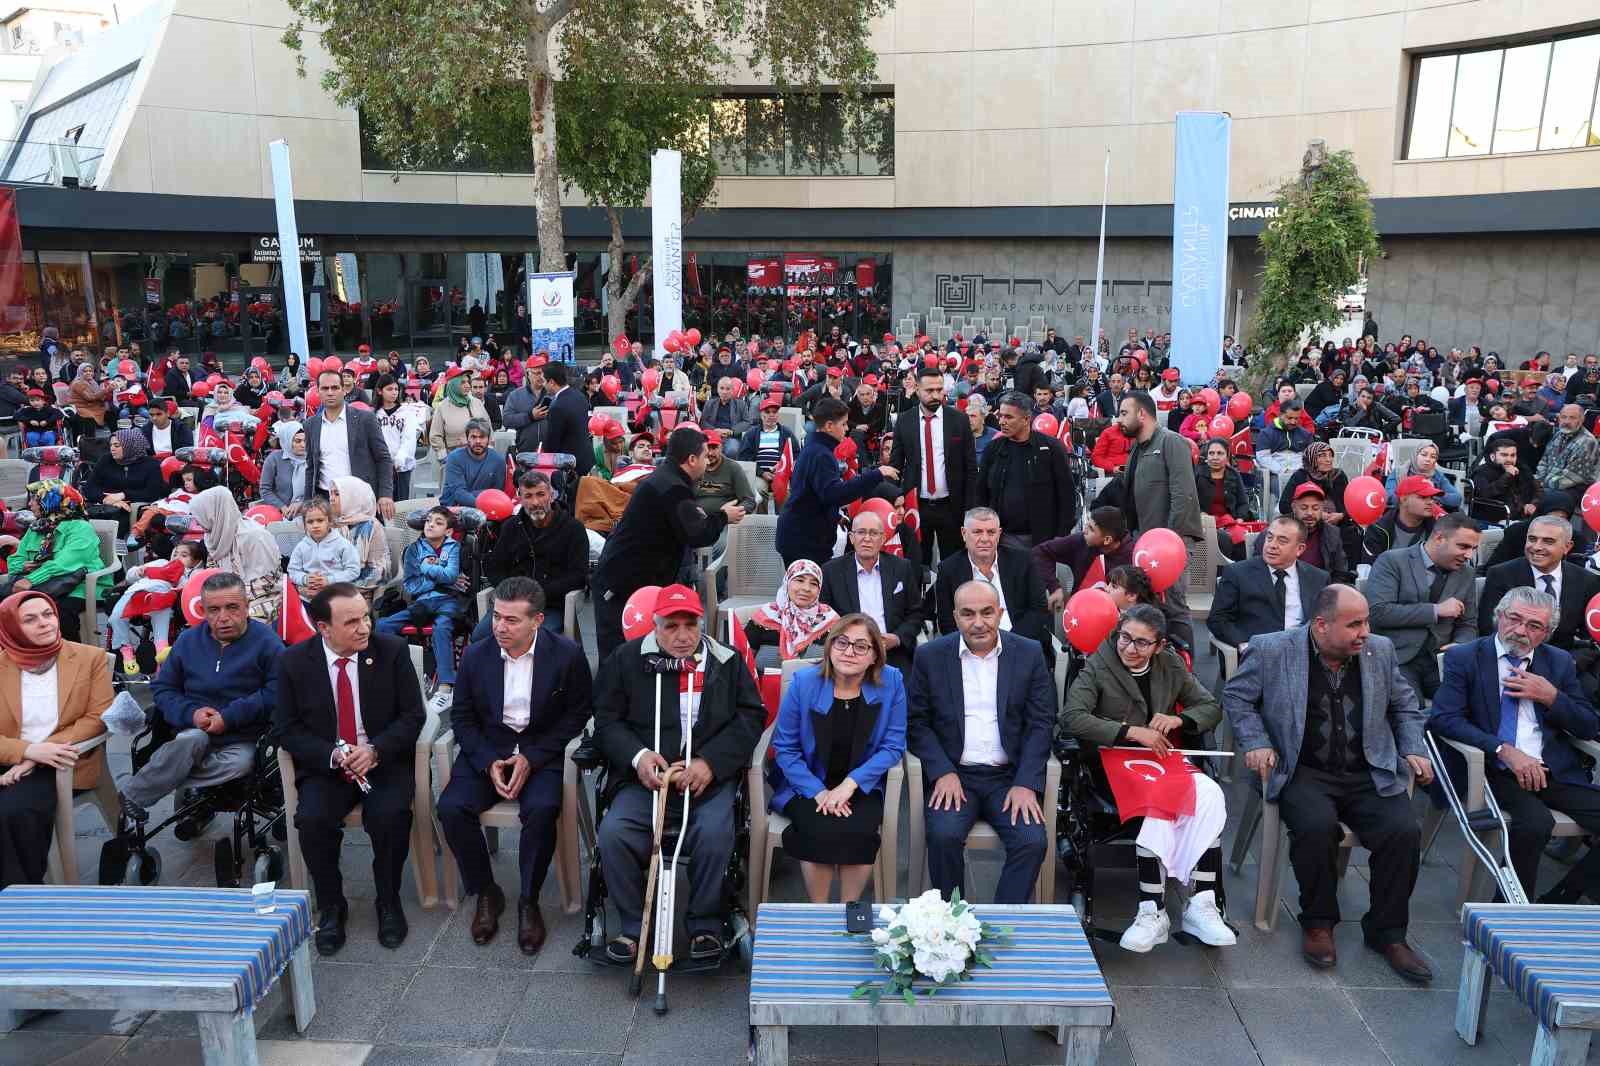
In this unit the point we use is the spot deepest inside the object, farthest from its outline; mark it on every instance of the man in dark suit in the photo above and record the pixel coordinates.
(979, 711)
(341, 440)
(350, 708)
(884, 587)
(1519, 700)
(567, 424)
(1268, 593)
(1545, 568)
(935, 454)
(519, 699)
(1023, 607)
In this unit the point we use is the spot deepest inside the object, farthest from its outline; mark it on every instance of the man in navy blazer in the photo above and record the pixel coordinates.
(519, 699)
(567, 425)
(1519, 700)
(979, 712)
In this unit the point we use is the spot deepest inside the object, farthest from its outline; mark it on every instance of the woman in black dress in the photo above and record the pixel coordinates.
(840, 729)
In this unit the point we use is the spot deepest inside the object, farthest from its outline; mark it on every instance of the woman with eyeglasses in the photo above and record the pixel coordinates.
(1136, 691)
(841, 727)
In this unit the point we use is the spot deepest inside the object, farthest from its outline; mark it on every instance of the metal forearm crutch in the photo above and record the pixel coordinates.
(666, 884)
(1505, 874)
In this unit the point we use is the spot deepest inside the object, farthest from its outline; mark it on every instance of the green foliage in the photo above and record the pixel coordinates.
(1314, 250)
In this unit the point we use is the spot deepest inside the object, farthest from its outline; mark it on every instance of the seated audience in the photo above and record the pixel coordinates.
(1502, 490)
(323, 557)
(431, 580)
(886, 588)
(1409, 521)
(1009, 570)
(1222, 495)
(355, 514)
(1425, 464)
(241, 547)
(1424, 599)
(541, 540)
(796, 622)
(472, 468)
(283, 475)
(154, 581)
(1268, 592)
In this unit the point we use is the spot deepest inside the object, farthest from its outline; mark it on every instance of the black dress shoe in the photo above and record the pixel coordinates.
(530, 927)
(486, 919)
(330, 928)
(392, 926)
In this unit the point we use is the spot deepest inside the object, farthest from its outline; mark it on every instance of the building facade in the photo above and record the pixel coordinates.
(1473, 121)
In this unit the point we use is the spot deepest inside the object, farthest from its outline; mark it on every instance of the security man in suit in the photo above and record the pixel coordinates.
(567, 424)
(1424, 598)
(881, 586)
(936, 442)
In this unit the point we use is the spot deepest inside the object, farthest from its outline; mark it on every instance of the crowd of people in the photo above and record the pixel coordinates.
(924, 517)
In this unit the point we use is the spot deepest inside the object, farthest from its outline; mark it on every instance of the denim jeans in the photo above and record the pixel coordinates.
(444, 627)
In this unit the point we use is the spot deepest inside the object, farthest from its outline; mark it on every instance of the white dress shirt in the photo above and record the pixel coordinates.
(333, 449)
(993, 581)
(1530, 741)
(41, 709)
(869, 590)
(980, 695)
(517, 688)
(1293, 611)
(940, 487)
(1554, 587)
(355, 688)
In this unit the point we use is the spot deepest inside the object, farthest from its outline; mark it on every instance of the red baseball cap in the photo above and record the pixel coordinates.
(538, 359)
(870, 379)
(771, 403)
(714, 436)
(1310, 488)
(677, 599)
(613, 430)
(1170, 374)
(1417, 485)
(836, 371)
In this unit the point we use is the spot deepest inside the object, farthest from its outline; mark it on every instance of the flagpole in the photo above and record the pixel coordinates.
(1100, 259)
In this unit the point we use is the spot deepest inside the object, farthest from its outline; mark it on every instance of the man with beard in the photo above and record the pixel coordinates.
(473, 467)
(934, 450)
(544, 542)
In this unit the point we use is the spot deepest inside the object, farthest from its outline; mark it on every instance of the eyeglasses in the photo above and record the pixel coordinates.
(1524, 623)
(860, 647)
(1138, 643)
(871, 534)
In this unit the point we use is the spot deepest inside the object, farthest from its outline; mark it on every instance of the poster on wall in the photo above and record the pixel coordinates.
(551, 309)
(810, 275)
(152, 292)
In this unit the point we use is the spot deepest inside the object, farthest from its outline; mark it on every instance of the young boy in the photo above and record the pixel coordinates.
(323, 556)
(432, 566)
(152, 580)
(40, 421)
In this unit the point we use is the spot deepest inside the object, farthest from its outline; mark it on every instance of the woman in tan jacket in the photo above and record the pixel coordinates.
(456, 407)
(52, 694)
(88, 398)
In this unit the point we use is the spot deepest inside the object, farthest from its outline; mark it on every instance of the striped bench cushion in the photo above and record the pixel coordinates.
(1548, 956)
(799, 955)
(157, 937)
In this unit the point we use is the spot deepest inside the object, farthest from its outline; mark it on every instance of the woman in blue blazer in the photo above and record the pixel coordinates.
(841, 727)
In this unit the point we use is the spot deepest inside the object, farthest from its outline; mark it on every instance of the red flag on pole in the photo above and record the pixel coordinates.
(782, 472)
(294, 625)
(1144, 783)
(770, 684)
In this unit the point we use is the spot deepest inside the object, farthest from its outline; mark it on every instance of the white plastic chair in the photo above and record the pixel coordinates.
(63, 862)
(106, 530)
(1201, 572)
(753, 566)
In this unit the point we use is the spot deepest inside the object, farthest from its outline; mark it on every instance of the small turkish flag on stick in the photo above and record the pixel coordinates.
(1147, 785)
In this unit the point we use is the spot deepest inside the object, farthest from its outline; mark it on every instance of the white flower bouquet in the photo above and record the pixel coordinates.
(931, 938)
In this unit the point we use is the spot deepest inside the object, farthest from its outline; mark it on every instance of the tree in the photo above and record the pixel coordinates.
(1314, 249)
(430, 76)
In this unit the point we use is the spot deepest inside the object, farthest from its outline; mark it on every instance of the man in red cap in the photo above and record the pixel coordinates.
(1168, 395)
(527, 406)
(764, 443)
(1409, 521)
(674, 709)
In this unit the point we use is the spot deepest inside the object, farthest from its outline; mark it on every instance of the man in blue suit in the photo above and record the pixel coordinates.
(979, 713)
(1520, 700)
(519, 699)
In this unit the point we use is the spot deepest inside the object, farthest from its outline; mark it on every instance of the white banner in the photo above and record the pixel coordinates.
(552, 311)
(294, 300)
(666, 243)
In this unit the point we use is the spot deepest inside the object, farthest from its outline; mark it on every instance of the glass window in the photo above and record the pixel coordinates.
(1516, 124)
(728, 134)
(1430, 106)
(1568, 119)
(1472, 115)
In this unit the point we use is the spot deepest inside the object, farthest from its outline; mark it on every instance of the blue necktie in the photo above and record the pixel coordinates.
(1508, 706)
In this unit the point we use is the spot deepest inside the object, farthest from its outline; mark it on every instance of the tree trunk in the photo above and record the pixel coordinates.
(620, 300)
(542, 123)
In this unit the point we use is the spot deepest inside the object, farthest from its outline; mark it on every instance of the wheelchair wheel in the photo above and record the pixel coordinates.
(268, 865)
(227, 871)
(147, 870)
(1080, 903)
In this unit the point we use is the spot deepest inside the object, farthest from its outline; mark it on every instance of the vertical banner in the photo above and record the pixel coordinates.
(666, 243)
(294, 299)
(1100, 259)
(1199, 242)
(551, 309)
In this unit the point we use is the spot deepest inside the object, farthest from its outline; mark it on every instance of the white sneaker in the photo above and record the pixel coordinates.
(441, 698)
(1150, 927)
(1203, 921)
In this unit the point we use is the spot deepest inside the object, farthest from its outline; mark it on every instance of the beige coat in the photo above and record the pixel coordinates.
(83, 692)
(448, 429)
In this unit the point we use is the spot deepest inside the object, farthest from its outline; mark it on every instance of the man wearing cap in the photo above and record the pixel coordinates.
(344, 441)
(1572, 458)
(1424, 599)
(163, 433)
(526, 406)
(764, 443)
(1324, 545)
(729, 414)
(651, 542)
(1169, 394)
(724, 480)
(674, 700)
(1268, 592)
(1409, 521)
(832, 385)
(1466, 411)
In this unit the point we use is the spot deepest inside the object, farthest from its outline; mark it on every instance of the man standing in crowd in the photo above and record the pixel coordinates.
(567, 424)
(473, 467)
(937, 444)
(652, 540)
(343, 441)
(1158, 488)
(1025, 478)
(523, 696)
(1324, 715)
(526, 407)
(884, 587)
(808, 525)
(1269, 592)
(1424, 599)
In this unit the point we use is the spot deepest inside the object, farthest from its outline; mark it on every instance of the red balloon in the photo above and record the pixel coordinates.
(754, 378)
(494, 504)
(1240, 406)
(1047, 423)
(1591, 616)
(1365, 500)
(611, 387)
(200, 388)
(1212, 398)
(169, 466)
(670, 342)
(189, 596)
(1591, 506)
(650, 379)
(1162, 555)
(882, 508)
(333, 362)
(1222, 426)
(597, 424)
(314, 366)
(1089, 618)
(693, 337)
(262, 513)
(637, 613)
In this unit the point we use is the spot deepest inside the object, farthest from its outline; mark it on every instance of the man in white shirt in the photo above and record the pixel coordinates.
(884, 587)
(341, 441)
(983, 755)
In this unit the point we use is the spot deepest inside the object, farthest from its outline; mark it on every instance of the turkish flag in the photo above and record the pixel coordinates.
(1145, 784)
(783, 472)
(294, 625)
(1095, 576)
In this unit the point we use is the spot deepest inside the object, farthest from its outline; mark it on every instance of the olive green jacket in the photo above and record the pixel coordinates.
(1105, 698)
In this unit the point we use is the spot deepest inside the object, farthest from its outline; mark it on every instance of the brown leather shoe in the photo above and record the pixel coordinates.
(486, 919)
(1404, 961)
(1316, 944)
(530, 927)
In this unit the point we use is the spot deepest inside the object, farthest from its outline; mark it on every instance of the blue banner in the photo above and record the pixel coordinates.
(1199, 242)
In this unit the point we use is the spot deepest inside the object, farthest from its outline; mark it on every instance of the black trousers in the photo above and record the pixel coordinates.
(27, 822)
(469, 794)
(326, 798)
(1312, 805)
(608, 619)
(627, 838)
(1532, 823)
(941, 522)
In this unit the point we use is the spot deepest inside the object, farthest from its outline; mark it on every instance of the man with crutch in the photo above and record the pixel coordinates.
(678, 710)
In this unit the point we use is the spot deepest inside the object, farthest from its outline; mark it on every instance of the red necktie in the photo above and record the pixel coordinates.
(346, 696)
(927, 453)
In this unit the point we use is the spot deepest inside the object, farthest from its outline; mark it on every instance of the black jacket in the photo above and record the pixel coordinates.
(960, 454)
(557, 556)
(875, 421)
(567, 429)
(1030, 374)
(1246, 606)
(1019, 580)
(902, 599)
(1379, 537)
(1334, 487)
(12, 400)
(1326, 394)
(660, 524)
(182, 435)
(139, 481)
(306, 720)
(1499, 497)
(1237, 502)
(1046, 484)
(560, 701)
(1578, 587)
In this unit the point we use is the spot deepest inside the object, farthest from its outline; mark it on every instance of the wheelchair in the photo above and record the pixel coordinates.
(255, 801)
(737, 941)
(475, 534)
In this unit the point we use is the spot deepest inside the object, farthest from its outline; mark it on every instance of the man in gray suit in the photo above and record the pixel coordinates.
(1323, 715)
(341, 440)
(1158, 485)
(1425, 599)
